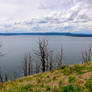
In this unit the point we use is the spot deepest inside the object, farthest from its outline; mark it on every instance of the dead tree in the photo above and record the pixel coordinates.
(37, 68)
(25, 66)
(0, 51)
(1, 78)
(51, 60)
(60, 57)
(86, 55)
(30, 68)
(43, 46)
(47, 59)
(6, 77)
(15, 75)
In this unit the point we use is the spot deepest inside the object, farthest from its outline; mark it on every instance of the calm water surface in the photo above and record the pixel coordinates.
(14, 48)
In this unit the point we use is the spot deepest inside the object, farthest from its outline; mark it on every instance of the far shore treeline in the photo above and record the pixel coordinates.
(50, 33)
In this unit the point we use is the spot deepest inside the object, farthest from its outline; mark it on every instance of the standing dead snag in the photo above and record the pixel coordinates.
(1, 77)
(27, 65)
(37, 68)
(42, 52)
(43, 47)
(6, 77)
(86, 55)
(51, 60)
(30, 69)
(47, 59)
(60, 57)
(0, 51)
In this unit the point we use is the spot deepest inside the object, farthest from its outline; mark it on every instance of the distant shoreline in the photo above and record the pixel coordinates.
(49, 33)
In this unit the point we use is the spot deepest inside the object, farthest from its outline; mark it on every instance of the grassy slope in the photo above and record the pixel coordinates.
(75, 78)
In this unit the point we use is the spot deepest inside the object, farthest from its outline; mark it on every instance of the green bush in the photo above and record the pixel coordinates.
(88, 85)
(60, 83)
(27, 87)
(38, 81)
(71, 78)
(48, 76)
(78, 88)
(68, 88)
(63, 67)
(54, 78)
(67, 70)
(48, 87)
(77, 68)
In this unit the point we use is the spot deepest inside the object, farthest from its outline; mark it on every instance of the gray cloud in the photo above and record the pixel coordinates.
(56, 4)
(59, 15)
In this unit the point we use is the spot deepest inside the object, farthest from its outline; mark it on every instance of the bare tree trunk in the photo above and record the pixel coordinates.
(47, 59)
(37, 67)
(86, 55)
(60, 57)
(25, 66)
(6, 77)
(51, 60)
(1, 78)
(15, 75)
(29, 68)
(43, 46)
(30, 65)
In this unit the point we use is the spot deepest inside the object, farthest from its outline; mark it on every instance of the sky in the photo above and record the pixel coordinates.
(46, 16)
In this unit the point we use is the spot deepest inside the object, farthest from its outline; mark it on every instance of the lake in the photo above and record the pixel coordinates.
(15, 47)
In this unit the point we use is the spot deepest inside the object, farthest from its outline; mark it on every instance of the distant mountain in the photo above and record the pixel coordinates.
(50, 33)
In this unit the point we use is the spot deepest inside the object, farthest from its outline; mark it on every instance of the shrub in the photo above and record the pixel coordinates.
(60, 83)
(54, 78)
(48, 87)
(78, 69)
(67, 70)
(88, 85)
(68, 88)
(38, 81)
(71, 78)
(27, 87)
(78, 88)
(42, 85)
(63, 67)
(48, 76)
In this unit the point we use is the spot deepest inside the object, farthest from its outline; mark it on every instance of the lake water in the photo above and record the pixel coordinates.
(14, 48)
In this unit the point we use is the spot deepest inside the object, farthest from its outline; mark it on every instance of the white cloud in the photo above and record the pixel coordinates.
(46, 16)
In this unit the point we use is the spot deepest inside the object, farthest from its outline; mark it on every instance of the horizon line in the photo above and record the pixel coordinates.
(50, 33)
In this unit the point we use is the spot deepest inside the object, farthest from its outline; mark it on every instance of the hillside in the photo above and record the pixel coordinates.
(74, 78)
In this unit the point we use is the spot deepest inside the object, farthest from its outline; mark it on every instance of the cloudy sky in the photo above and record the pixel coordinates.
(46, 16)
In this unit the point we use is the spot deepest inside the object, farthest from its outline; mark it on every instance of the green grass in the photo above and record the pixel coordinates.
(71, 78)
(74, 78)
